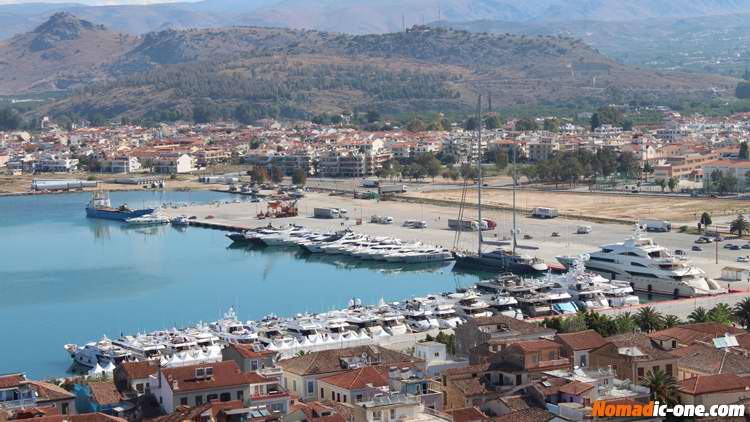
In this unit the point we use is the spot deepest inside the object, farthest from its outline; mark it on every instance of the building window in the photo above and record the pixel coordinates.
(358, 398)
(333, 396)
(377, 415)
(640, 372)
(211, 397)
(583, 360)
(139, 387)
(338, 397)
(321, 392)
(198, 400)
(241, 395)
(393, 413)
(294, 385)
(344, 398)
(669, 369)
(64, 409)
(183, 401)
(552, 355)
(310, 387)
(225, 397)
(254, 365)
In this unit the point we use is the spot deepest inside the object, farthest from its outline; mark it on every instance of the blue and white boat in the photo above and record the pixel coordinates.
(101, 207)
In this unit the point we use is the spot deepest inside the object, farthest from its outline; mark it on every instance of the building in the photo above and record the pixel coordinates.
(412, 382)
(194, 385)
(18, 393)
(174, 163)
(632, 356)
(395, 407)
(300, 374)
(542, 149)
(710, 390)
(56, 165)
(312, 412)
(436, 357)
(103, 397)
(353, 386)
(576, 346)
(499, 330)
(464, 148)
(132, 378)
(740, 169)
(702, 359)
(251, 360)
(120, 164)
(523, 361)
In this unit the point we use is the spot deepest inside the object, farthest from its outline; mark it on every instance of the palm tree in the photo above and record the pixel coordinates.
(739, 225)
(600, 323)
(671, 320)
(722, 314)
(625, 323)
(649, 319)
(662, 385)
(742, 312)
(698, 315)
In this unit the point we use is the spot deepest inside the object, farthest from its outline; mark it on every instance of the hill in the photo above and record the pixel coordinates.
(357, 16)
(255, 72)
(62, 53)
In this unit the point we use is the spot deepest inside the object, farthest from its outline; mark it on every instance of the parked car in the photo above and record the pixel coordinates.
(745, 246)
(728, 246)
(527, 237)
(696, 248)
(734, 248)
(555, 234)
(743, 259)
(702, 239)
(679, 252)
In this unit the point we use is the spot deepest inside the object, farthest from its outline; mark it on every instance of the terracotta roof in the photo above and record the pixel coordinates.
(575, 388)
(513, 324)
(329, 361)
(467, 414)
(105, 392)
(519, 402)
(356, 379)
(11, 380)
(536, 345)
(225, 374)
(642, 343)
(50, 392)
(720, 383)
(581, 340)
(690, 333)
(469, 386)
(86, 417)
(139, 370)
(247, 351)
(709, 360)
(466, 370)
(527, 415)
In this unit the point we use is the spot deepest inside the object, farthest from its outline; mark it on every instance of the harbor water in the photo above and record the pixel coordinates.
(68, 279)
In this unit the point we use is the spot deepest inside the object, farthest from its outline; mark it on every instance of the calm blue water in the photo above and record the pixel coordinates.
(68, 279)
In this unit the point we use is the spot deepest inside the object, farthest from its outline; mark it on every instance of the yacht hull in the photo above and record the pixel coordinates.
(494, 265)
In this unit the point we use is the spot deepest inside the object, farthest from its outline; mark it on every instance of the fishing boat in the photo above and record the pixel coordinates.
(100, 206)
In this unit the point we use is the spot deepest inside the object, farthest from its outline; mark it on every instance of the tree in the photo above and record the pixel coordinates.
(662, 385)
(739, 225)
(672, 183)
(671, 321)
(744, 152)
(705, 220)
(648, 168)
(372, 116)
(501, 159)
(471, 123)
(527, 124)
(742, 312)
(492, 122)
(10, 119)
(552, 124)
(699, 314)
(625, 323)
(628, 164)
(299, 177)
(743, 90)
(277, 174)
(607, 116)
(649, 319)
(722, 314)
(259, 174)
(662, 184)
(416, 125)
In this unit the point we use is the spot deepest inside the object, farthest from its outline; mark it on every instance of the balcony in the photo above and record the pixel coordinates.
(14, 404)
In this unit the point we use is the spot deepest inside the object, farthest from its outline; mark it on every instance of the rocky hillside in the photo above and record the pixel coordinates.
(62, 53)
(271, 71)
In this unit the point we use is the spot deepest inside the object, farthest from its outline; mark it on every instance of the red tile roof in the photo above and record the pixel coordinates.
(356, 379)
(11, 380)
(139, 370)
(527, 415)
(247, 351)
(225, 374)
(50, 392)
(87, 417)
(719, 383)
(575, 388)
(467, 414)
(582, 340)
(105, 392)
(536, 345)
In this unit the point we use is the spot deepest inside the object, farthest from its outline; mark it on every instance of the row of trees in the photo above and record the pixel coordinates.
(572, 166)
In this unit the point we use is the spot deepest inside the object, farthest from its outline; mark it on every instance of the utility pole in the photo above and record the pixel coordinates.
(479, 172)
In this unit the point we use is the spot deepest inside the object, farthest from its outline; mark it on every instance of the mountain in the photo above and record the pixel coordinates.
(356, 16)
(62, 53)
(711, 44)
(256, 72)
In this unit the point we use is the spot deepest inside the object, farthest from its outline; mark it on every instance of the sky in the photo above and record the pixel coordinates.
(95, 2)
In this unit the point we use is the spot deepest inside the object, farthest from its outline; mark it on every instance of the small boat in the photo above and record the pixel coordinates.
(147, 220)
(180, 220)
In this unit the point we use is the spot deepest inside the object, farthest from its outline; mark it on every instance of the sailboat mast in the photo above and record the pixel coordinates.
(514, 197)
(479, 173)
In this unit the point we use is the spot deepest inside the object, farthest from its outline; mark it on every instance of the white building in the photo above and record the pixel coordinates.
(174, 163)
(122, 164)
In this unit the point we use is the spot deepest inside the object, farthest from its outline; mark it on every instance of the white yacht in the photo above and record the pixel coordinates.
(147, 220)
(502, 304)
(420, 320)
(232, 330)
(446, 316)
(366, 323)
(101, 353)
(394, 323)
(651, 268)
(590, 290)
(470, 305)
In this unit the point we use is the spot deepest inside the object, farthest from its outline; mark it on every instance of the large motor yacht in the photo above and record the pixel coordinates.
(651, 268)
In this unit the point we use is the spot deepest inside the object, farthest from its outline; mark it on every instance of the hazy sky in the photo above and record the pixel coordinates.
(95, 2)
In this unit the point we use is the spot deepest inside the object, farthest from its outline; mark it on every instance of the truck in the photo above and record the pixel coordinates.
(583, 230)
(370, 183)
(326, 213)
(652, 225)
(392, 189)
(381, 219)
(467, 225)
(543, 212)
